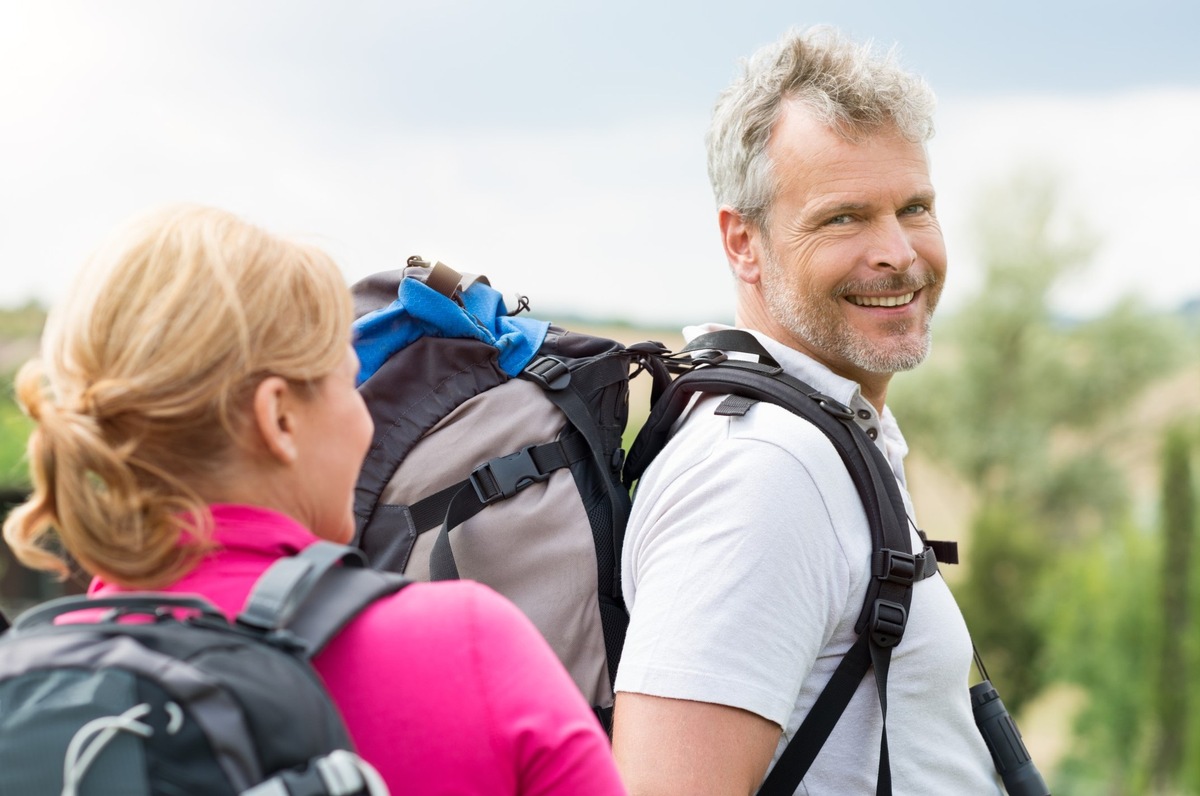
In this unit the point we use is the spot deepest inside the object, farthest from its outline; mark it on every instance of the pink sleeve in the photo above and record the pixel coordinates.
(556, 740)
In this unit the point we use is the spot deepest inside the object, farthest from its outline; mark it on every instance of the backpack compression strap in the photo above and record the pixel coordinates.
(885, 610)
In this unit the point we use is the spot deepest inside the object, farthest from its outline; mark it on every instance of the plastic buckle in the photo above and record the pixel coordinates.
(551, 373)
(708, 356)
(833, 407)
(504, 476)
(895, 566)
(887, 622)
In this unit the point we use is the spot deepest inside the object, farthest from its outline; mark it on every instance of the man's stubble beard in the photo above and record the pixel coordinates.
(815, 320)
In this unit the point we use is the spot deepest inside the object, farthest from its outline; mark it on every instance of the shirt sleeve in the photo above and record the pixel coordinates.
(738, 579)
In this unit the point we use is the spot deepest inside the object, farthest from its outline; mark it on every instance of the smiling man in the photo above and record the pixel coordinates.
(748, 553)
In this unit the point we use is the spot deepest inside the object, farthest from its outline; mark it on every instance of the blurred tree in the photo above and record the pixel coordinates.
(1013, 402)
(1179, 529)
(1105, 620)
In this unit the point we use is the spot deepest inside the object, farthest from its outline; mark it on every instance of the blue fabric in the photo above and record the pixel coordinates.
(420, 311)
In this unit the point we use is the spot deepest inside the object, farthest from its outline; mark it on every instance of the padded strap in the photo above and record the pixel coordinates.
(309, 598)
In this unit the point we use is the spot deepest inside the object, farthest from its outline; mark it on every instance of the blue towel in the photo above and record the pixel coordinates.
(420, 311)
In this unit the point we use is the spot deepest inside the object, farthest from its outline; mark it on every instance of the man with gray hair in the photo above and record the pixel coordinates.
(748, 552)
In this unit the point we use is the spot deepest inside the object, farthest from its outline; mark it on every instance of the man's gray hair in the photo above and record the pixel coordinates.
(846, 85)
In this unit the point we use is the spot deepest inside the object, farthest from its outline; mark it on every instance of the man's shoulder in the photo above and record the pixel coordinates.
(768, 443)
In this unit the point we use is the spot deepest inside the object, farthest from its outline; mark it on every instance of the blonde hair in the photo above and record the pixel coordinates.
(146, 376)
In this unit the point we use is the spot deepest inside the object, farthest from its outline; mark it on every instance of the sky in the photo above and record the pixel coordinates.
(557, 146)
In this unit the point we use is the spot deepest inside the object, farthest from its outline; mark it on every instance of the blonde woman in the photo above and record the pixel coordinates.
(196, 419)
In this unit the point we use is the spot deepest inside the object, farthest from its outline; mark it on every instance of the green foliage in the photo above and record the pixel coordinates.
(26, 321)
(20, 329)
(1013, 402)
(1173, 695)
(1105, 625)
(14, 433)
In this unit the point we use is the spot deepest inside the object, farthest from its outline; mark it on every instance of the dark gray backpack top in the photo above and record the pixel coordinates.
(182, 701)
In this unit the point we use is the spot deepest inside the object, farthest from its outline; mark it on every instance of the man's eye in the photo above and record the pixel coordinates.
(915, 210)
(843, 218)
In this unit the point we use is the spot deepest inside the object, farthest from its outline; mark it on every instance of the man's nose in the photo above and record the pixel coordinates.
(893, 246)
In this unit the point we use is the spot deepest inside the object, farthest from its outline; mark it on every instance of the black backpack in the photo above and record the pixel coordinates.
(183, 701)
(510, 469)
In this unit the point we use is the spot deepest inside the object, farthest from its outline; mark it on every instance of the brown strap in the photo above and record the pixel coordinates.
(443, 279)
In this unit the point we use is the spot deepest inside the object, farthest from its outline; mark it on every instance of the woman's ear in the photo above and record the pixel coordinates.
(274, 418)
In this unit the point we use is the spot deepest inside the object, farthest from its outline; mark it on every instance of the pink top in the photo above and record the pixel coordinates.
(446, 687)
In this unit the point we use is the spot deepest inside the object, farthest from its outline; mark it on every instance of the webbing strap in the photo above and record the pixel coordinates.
(802, 750)
(489, 482)
(497, 479)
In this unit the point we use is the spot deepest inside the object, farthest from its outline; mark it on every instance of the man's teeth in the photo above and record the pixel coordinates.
(881, 301)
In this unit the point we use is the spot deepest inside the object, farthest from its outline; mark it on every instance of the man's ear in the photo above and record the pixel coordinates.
(740, 239)
(274, 418)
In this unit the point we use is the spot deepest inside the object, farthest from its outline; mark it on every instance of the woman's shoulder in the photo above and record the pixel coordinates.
(446, 611)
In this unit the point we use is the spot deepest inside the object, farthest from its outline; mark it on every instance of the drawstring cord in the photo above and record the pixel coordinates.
(92, 737)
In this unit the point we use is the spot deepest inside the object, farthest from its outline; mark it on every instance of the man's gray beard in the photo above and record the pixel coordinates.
(823, 329)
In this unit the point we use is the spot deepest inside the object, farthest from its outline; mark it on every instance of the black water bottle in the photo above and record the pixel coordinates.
(1003, 739)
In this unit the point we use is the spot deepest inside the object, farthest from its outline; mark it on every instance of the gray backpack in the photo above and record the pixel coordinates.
(180, 700)
(497, 456)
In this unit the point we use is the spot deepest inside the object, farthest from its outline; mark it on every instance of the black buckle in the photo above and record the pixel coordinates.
(833, 407)
(504, 476)
(553, 374)
(887, 622)
(707, 356)
(895, 566)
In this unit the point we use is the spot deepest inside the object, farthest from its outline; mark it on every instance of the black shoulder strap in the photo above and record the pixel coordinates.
(312, 595)
(885, 610)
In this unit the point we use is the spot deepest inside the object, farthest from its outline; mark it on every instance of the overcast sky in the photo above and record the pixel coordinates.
(558, 146)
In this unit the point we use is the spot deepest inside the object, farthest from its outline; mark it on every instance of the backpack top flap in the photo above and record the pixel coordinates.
(475, 312)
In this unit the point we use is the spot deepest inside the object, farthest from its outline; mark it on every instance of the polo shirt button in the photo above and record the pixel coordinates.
(864, 414)
(872, 433)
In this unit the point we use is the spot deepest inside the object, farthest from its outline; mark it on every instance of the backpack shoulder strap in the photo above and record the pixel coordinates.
(885, 609)
(309, 597)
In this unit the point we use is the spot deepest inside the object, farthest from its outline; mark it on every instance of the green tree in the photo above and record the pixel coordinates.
(1179, 529)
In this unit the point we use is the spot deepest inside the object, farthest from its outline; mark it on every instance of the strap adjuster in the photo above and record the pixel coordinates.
(550, 372)
(895, 566)
(887, 622)
(504, 476)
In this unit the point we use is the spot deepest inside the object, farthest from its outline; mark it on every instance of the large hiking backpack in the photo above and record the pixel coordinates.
(181, 701)
(503, 435)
